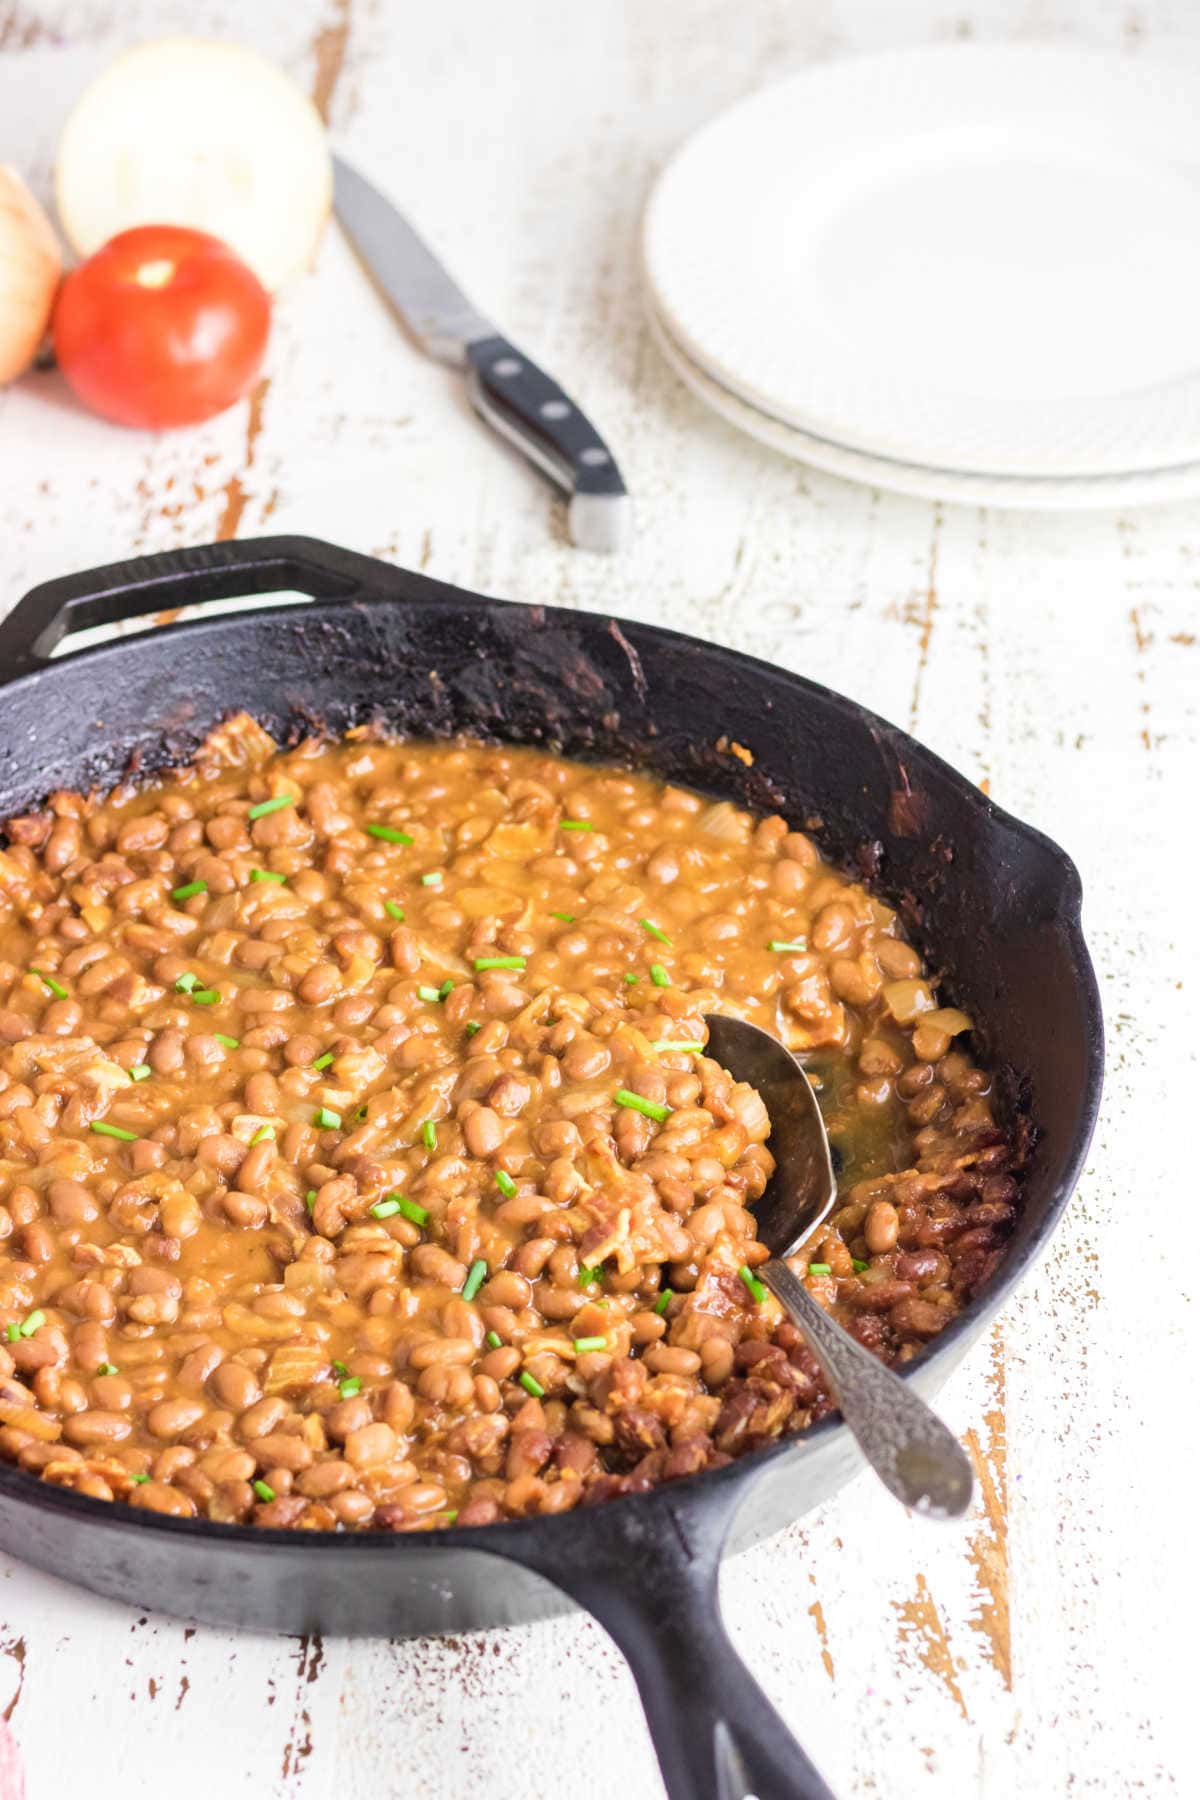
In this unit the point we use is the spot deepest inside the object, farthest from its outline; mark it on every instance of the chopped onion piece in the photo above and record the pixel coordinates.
(907, 1000)
(948, 1019)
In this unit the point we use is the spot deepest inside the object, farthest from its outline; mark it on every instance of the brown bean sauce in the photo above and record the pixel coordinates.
(360, 1162)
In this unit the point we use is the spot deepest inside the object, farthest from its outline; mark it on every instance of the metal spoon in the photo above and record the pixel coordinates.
(912, 1452)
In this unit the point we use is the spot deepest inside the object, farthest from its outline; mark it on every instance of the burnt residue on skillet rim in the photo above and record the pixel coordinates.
(988, 899)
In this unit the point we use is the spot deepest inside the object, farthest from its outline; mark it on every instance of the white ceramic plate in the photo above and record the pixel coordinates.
(1042, 495)
(983, 259)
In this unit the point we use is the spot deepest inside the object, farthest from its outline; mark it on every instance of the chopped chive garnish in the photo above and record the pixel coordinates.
(589, 1276)
(310, 1199)
(473, 1026)
(326, 1118)
(629, 980)
(476, 1276)
(323, 1062)
(494, 1341)
(264, 1134)
(755, 1286)
(498, 962)
(388, 833)
(650, 1108)
(349, 1388)
(783, 947)
(108, 1369)
(187, 981)
(12, 1332)
(447, 987)
(32, 1323)
(429, 1134)
(266, 875)
(205, 996)
(137, 1480)
(114, 1131)
(393, 910)
(664, 1300)
(264, 1490)
(654, 930)
(567, 918)
(418, 1214)
(583, 1345)
(385, 1209)
(140, 1072)
(269, 806)
(659, 976)
(576, 825)
(339, 1368)
(667, 1044)
(433, 879)
(505, 1183)
(188, 889)
(859, 1265)
(425, 992)
(820, 1269)
(530, 1382)
(229, 1043)
(55, 987)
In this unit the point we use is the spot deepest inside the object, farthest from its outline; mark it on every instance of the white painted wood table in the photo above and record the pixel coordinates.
(1045, 1649)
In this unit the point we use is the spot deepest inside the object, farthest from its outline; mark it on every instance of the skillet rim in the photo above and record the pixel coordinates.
(1064, 915)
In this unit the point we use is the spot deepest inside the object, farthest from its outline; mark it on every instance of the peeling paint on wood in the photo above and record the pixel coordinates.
(988, 1549)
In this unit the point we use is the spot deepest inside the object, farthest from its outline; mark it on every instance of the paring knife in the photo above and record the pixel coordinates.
(511, 393)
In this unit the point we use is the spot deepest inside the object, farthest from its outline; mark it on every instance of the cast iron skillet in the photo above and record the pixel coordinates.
(995, 904)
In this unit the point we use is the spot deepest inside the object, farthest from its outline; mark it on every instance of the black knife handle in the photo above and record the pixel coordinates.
(529, 408)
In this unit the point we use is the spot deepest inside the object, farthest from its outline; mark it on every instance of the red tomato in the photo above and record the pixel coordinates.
(163, 326)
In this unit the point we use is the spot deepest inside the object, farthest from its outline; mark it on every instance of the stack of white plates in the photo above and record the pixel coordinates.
(970, 273)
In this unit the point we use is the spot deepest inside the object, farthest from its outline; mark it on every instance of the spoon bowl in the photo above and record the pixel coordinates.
(803, 1188)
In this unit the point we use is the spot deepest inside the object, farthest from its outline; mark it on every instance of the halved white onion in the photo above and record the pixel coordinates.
(184, 131)
(30, 267)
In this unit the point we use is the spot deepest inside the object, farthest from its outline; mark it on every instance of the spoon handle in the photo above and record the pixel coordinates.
(915, 1456)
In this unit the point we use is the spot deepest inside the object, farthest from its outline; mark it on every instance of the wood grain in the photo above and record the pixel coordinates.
(1043, 1650)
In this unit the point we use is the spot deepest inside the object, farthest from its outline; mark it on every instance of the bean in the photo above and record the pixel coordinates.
(280, 1450)
(97, 1426)
(159, 1496)
(319, 985)
(881, 1227)
(482, 1131)
(441, 1351)
(325, 1478)
(370, 1445)
(171, 1417)
(235, 1386)
(261, 1418)
(432, 1263)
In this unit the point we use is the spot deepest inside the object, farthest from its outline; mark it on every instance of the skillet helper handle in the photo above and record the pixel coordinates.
(147, 584)
(526, 406)
(654, 1589)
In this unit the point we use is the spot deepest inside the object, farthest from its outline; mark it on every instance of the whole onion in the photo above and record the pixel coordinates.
(30, 267)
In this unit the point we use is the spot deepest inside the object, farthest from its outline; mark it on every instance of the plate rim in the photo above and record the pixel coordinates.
(1047, 493)
(1040, 466)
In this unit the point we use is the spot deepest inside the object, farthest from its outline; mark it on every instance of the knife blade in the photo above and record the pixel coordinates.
(516, 398)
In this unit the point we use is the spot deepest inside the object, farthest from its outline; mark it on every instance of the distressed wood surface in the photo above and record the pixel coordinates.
(1044, 1649)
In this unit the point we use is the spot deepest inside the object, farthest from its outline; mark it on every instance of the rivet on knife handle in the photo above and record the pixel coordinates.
(525, 405)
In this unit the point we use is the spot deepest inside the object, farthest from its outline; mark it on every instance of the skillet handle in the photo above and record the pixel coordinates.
(652, 1584)
(147, 584)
